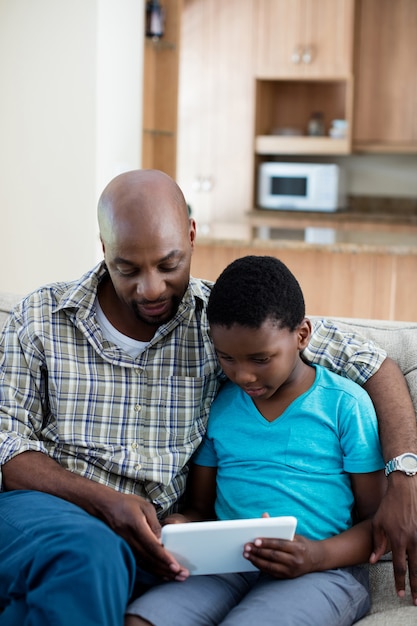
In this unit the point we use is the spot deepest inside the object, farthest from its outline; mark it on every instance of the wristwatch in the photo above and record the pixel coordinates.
(406, 463)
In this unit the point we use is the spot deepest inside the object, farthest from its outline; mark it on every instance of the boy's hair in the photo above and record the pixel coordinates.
(253, 289)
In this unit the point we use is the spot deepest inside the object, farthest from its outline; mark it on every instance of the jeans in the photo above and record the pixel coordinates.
(59, 566)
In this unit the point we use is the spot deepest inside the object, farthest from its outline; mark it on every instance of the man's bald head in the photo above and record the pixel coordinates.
(137, 197)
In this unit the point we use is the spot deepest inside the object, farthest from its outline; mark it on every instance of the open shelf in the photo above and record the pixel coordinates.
(272, 144)
(286, 106)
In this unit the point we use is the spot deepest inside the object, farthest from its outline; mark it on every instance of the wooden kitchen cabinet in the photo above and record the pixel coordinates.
(304, 64)
(216, 109)
(304, 38)
(336, 282)
(385, 105)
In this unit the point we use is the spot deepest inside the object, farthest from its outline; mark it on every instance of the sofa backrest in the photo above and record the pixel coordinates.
(399, 339)
(7, 302)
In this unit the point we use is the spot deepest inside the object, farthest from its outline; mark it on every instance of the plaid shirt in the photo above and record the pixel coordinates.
(130, 423)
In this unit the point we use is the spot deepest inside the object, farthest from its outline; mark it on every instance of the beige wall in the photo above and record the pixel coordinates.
(382, 175)
(70, 118)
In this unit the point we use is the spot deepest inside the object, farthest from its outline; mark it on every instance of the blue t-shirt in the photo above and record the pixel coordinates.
(298, 464)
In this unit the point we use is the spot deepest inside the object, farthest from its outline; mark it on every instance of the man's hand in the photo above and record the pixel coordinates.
(134, 519)
(396, 518)
(395, 525)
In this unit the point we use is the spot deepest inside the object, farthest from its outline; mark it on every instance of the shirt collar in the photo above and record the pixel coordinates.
(81, 295)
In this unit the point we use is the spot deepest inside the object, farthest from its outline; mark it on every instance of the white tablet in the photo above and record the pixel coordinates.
(217, 547)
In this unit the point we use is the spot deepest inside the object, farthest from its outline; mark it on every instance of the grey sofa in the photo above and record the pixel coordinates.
(400, 341)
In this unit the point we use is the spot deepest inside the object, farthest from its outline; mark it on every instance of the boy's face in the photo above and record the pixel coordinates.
(260, 360)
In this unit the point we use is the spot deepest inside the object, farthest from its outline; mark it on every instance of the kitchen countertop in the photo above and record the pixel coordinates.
(370, 224)
(392, 246)
(337, 219)
(330, 233)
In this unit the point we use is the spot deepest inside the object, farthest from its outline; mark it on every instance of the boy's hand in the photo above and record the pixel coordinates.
(282, 558)
(175, 518)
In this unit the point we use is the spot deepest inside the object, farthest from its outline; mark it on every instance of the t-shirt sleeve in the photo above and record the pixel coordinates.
(359, 437)
(349, 354)
(205, 454)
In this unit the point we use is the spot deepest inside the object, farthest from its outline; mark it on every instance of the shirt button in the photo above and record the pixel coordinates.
(135, 445)
(137, 408)
(138, 467)
(138, 370)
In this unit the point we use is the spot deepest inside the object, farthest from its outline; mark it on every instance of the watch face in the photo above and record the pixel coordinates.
(409, 462)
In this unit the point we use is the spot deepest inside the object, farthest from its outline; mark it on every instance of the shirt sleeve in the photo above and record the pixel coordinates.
(21, 414)
(349, 354)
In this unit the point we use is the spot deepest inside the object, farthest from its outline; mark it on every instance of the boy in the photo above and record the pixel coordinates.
(284, 438)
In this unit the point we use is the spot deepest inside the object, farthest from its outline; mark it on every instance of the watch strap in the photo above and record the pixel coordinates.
(391, 466)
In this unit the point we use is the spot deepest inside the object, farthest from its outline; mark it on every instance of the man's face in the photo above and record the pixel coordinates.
(150, 269)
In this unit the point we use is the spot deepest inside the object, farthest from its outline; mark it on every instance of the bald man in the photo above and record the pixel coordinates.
(106, 384)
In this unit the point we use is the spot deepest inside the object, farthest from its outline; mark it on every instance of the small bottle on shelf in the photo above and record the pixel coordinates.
(315, 126)
(154, 19)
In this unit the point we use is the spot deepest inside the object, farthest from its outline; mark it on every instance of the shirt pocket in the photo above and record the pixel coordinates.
(183, 405)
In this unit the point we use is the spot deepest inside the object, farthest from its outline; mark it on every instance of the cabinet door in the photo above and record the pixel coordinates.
(385, 109)
(194, 104)
(304, 38)
(216, 104)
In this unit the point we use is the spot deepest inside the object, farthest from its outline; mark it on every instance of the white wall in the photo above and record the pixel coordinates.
(376, 175)
(70, 119)
(382, 175)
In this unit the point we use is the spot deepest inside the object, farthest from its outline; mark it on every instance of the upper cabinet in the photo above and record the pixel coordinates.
(303, 67)
(304, 38)
(385, 103)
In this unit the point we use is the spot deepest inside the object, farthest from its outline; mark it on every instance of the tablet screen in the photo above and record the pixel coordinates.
(217, 547)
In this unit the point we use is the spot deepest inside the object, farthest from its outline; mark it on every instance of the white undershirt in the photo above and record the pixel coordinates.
(125, 343)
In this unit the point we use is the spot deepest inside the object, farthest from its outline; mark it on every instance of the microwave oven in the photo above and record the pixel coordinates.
(301, 186)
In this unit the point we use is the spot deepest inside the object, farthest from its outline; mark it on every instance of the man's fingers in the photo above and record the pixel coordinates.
(380, 543)
(400, 571)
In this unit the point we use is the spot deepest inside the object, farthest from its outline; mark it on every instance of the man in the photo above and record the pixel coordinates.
(105, 387)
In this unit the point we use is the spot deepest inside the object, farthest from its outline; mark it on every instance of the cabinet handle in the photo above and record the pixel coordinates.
(206, 184)
(296, 55)
(197, 183)
(202, 183)
(307, 55)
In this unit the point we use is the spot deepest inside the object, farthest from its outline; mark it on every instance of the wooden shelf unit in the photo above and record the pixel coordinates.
(160, 94)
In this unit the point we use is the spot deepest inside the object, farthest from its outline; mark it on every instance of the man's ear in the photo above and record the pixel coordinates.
(304, 331)
(192, 232)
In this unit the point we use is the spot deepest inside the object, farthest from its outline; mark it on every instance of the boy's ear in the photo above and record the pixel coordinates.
(304, 333)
